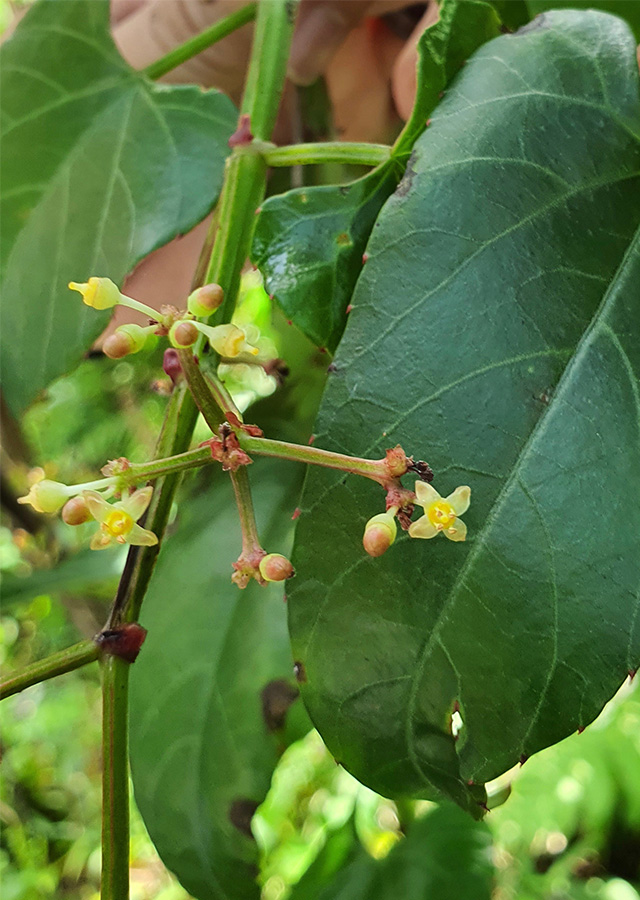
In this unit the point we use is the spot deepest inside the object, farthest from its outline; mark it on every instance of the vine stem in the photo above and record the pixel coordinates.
(242, 192)
(330, 151)
(201, 41)
(56, 664)
(115, 779)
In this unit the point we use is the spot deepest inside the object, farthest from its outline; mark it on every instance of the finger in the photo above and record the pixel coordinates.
(322, 27)
(120, 9)
(359, 83)
(404, 78)
(160, 25)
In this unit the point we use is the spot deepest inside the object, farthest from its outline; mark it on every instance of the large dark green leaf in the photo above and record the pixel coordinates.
(99, 167)
(445, 856)
(626, 9)
(309, 242)
(210, 691)
(494, 333)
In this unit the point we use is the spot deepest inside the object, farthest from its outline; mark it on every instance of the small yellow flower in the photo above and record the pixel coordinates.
(100, 293)
(118, 520)
(441, 513)
(47, 496)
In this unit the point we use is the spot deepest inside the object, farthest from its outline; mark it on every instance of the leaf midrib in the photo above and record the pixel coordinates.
(597, 321)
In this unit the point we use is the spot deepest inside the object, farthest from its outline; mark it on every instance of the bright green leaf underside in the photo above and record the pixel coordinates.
(201, 750)
(99, 167)
(494, 333)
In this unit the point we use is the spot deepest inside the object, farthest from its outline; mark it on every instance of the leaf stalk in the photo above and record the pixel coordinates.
(201, 41)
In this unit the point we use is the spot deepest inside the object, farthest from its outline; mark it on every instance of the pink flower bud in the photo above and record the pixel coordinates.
(275, 567)
(117, 345)
(205, 300)
(171, 364)
(379, 534)
(76, 511)
(183, 334)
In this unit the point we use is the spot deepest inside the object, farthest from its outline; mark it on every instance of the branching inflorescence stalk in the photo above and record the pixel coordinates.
(242, 192)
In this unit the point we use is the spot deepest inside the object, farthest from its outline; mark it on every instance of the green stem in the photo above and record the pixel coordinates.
(156, 468)
(268, 65)
(56, 664)
(211, 397)
(245, 177)
(246, 514)
(174, 438)
(200, 42)
(210, 409)
(331, 151)
(115, 779)
(368, 468)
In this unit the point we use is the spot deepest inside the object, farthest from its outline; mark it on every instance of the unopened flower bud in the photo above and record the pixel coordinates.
(275, 567)
(125, 340)
(379, 533)
(204, 300)
(76, 511)
(183, 334)
(46, 496)
(100, 293)
(171, 364)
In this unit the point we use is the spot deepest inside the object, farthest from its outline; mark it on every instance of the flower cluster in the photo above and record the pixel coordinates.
(182, 327)
(82, 502)
(441, 516)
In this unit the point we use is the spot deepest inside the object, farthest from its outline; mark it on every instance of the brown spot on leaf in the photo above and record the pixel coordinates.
(343, 240)
(277, 696)
(241, 812)
(300, 672)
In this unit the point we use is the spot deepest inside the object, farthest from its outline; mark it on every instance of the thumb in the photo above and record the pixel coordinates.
(404, 78)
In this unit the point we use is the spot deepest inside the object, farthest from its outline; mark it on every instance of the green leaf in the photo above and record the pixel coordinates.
(630, 12)
(205, 736)
(462, 27)
(494, 332)
(419, 866)
(99, 167)
(309, 242)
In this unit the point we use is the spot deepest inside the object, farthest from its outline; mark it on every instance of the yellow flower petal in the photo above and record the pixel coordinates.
(100, 541)
(141, 537)
(460, 499)
(425, 493)
(98, 506)
(137, 503)
(457, 531)
(423, 528)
